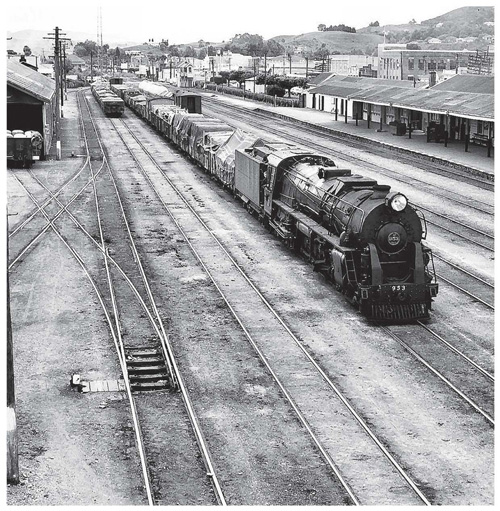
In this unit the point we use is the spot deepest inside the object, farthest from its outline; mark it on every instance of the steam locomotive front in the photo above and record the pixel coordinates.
(394, 277)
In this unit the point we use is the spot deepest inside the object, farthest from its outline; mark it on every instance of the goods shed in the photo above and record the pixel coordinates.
(31, 102)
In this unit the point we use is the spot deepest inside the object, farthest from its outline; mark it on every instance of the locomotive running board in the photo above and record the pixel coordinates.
(311, 224)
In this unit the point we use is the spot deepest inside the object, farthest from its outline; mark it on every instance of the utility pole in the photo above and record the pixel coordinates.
(99, 40)
(57, 71)
(62, 60)
(265, 72)
(254, 75)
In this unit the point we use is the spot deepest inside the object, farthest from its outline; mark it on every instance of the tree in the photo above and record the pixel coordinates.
(239, 76)
(188, 52)
(279, 84)
(340, 28)
(84, 49)
(321, 27)
(412, 22)
(225, 76)
(174, 51)
(273, 48)
(27, 51)
(374, 24)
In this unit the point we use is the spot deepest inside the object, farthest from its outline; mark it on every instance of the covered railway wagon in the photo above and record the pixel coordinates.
(366, 239)
(23, 147)
(110, 103)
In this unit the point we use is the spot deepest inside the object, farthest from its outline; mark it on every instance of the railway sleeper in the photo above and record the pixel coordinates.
(147, 369)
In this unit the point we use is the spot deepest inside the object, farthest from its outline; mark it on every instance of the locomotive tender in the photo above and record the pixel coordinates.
(364, 238)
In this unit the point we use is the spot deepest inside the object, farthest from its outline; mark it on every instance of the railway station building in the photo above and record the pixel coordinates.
(31, 102)
(461, 106)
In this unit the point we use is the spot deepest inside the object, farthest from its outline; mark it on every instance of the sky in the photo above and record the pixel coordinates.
(214, 20)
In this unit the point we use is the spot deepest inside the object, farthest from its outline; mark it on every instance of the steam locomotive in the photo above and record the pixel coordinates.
(366, 239)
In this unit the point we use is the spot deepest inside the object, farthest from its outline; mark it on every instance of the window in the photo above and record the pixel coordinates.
(421, 64)
(411, 64)
(441, 64)
(432, 65)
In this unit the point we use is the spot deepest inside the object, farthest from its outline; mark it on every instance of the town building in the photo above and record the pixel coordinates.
(79, 65)
(351, 65)
(396, 62)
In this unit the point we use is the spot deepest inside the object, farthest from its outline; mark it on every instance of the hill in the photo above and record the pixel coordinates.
(465, 22)
(470, 16)
(334, 42)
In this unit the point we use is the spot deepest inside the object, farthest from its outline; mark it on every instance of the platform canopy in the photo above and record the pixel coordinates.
(464, 96)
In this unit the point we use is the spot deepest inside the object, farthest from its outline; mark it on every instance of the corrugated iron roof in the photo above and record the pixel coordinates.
(468, 83)
(29, 81)
(390, 93)
(320, 78)
(364, 81)
(75, 60)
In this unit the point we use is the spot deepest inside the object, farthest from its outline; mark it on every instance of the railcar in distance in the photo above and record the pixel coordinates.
(110, 103)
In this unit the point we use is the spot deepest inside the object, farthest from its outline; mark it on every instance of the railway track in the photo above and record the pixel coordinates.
(482, 291)
(169, 357)
(125, 353)
(450, 365)
(368, 147)
(151, 158)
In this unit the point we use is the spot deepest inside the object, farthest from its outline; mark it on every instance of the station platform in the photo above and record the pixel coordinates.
(475, 161)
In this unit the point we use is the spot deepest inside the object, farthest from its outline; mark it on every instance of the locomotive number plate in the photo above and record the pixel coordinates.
(398, 288)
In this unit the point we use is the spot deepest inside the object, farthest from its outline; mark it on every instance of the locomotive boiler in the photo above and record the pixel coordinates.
(366, 239)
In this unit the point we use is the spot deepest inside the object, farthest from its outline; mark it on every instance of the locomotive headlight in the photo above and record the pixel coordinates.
(397, 202)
